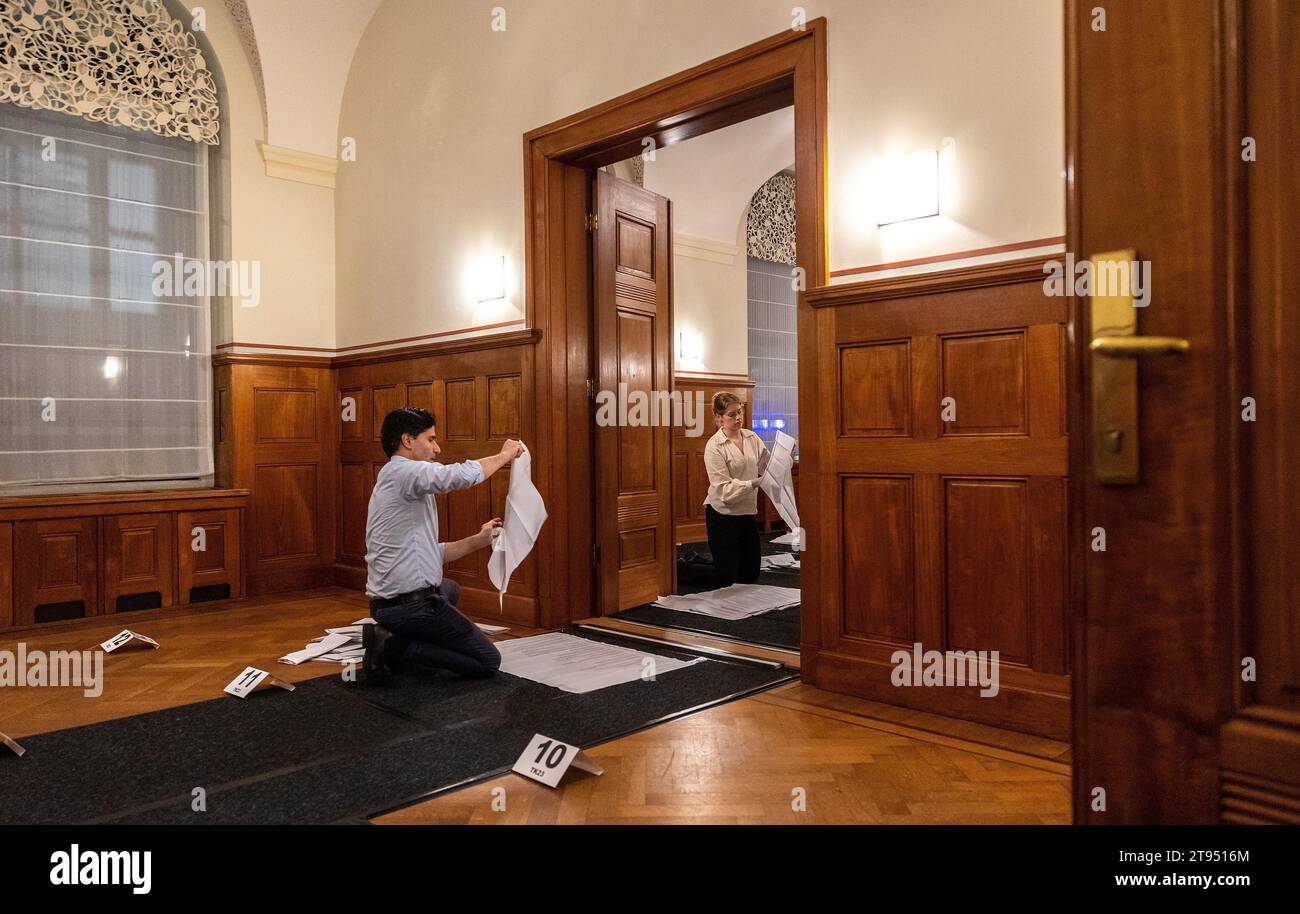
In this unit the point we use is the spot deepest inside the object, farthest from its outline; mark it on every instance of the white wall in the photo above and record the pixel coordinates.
(286, 226)
(710, 180)
(439, 102)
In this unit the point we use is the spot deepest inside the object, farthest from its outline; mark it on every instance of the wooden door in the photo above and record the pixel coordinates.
(943, 492)
(1187, 693)
(633, 321)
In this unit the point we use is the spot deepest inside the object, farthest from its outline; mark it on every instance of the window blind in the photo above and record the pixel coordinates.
(101, 379)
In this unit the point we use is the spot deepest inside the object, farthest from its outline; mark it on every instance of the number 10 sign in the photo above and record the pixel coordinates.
(547, 759)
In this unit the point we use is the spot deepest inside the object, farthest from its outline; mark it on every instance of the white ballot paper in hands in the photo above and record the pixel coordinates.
(778, 482)
(523, 520)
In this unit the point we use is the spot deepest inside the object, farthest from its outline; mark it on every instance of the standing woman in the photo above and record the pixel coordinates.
(735, 458)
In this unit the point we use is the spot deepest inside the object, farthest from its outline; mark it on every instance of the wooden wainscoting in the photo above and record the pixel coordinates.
(947, 533)
(85, 555)
(480, 391)
(277, 436)
(690, 481)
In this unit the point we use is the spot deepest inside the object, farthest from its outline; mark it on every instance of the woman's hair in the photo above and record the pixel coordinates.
(723, 400)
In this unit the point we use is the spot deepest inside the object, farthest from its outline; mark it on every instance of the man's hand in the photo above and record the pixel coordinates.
(511, 449)
(485, 532)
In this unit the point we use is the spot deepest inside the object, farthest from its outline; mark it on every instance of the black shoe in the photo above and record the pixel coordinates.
(374, 637)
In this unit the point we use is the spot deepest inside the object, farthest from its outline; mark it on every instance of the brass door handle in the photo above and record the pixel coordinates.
(1134, 346)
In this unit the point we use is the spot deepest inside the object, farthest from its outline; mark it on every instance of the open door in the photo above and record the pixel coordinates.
(636, 555)
(1183, 139)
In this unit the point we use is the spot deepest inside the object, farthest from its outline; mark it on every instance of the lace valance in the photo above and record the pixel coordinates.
(124, 62)
(770, 231)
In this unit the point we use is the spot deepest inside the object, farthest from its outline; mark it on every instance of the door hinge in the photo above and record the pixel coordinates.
(593, 221)
(595, 553)
(591, 390)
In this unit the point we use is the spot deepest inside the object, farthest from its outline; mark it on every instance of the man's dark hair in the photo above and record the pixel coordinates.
(409, 420)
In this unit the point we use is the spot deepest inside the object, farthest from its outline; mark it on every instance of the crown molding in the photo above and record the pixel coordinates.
(296, 165)
(705, 249)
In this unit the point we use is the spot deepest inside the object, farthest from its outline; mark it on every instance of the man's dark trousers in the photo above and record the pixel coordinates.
(429, 632)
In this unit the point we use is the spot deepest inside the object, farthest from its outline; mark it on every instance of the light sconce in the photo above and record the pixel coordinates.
(690, 345)
(490, 278)
(112, 368)
(906, 186)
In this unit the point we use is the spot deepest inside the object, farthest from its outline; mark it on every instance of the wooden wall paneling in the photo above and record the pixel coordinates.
(359, 408)
(139, 557)
(476, 396)
(878, 558)
(383, 401)
(287, 424)
(223, 435)
(94, 547)
(6, 575)
(950, 533)
(219, 559)
(55, 561)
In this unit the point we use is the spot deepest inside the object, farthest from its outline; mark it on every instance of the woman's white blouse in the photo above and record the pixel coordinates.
(730, 471)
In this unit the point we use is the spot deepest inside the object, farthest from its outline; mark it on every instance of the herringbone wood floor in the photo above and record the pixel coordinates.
(747, 761)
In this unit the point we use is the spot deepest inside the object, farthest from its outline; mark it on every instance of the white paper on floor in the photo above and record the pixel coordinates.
(780, 561)
(523, 518)
(576, 664)
(344, 644)
(739, 601)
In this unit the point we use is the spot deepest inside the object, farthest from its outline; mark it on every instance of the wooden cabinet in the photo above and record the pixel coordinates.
(209, 551)
(139, 562)
(6, 575)
(56, 569)
(74, 556)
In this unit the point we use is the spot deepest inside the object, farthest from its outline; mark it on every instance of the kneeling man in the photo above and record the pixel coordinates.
(418, 625)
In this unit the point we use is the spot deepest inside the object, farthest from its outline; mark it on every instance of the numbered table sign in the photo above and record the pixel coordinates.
(125, 637)
(243, 684)
(17, 749)
(547, 759)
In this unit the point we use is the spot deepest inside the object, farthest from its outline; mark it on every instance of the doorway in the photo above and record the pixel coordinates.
(785, 71)
(726, 269)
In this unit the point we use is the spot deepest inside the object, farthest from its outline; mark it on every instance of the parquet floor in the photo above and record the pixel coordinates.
(794, 754)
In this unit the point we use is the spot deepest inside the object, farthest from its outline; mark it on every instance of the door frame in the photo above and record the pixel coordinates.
(784, 70)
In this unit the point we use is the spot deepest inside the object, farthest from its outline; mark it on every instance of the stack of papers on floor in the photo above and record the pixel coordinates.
(739, 601)
(343, 645)
(576, 664)
(782, 561)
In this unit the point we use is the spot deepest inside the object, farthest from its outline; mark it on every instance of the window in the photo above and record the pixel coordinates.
(105, 375)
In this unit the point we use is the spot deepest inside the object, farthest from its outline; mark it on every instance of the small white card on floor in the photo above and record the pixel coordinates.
(17, 749)
(125, 637)
(250, 679)
(547, 759)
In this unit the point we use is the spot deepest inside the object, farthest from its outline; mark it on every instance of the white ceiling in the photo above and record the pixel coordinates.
(306, 48)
